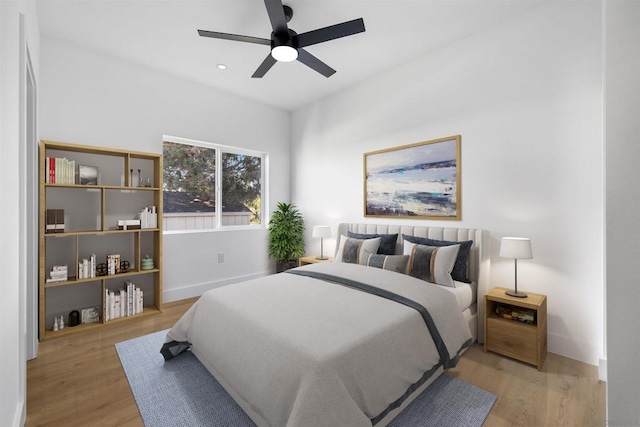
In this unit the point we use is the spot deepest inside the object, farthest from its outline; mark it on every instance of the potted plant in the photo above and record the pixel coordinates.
(286, 236)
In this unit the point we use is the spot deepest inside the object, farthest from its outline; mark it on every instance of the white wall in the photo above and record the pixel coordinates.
(527, 99)
(94, 99)
(14, 37)
(622, 127)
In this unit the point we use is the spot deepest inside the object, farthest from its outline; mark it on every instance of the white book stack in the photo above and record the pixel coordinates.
(87, 267)
(123, 302)
(58, 273)
(148, 217)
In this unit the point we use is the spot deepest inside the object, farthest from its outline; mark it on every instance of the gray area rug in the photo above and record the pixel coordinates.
(181, 392)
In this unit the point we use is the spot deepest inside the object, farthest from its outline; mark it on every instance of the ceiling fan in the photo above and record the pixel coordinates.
(287, 45)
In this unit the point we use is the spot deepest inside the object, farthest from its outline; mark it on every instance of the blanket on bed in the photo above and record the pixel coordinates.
(298, 351)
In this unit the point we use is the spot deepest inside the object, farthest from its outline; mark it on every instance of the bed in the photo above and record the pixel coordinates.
(338, 343)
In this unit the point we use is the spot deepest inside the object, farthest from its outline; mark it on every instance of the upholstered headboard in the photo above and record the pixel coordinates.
(479, 256)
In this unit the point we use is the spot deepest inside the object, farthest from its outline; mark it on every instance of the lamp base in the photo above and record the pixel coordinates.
(516, 294)
(322, 258)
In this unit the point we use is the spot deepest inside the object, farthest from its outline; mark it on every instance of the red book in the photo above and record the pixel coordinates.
(52, 169)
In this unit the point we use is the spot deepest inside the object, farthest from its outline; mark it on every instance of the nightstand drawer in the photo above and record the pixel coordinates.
(513, 339)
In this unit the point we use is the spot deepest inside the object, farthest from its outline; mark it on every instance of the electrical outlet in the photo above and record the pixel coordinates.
(220, 258)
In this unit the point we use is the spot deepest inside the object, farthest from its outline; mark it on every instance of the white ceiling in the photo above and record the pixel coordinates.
(161, 34)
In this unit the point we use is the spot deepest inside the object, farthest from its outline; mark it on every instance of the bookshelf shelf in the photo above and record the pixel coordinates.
(86, 211)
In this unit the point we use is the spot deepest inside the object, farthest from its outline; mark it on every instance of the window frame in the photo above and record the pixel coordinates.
(219, 150)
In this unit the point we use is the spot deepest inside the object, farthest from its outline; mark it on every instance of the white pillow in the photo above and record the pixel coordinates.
(431, 263)
(353, 250)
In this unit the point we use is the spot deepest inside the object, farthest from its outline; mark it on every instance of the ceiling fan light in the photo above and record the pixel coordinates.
(284, 53)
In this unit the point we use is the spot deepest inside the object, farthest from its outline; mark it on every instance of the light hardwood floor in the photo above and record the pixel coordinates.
(78, 381)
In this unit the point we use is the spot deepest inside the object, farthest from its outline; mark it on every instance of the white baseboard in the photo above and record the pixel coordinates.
(602, 370)
(200, 288)
(574, 349)
(20, 417)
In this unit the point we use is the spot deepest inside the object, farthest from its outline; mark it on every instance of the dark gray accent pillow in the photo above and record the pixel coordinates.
(397, 263)
(431, 263)
(387, 241)
(459, 272)
(353, 250)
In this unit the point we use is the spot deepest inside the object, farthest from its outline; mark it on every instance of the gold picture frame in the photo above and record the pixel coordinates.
(418, 181)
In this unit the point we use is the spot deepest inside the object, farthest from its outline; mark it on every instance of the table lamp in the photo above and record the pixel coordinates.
(516, 248)
(321, 231)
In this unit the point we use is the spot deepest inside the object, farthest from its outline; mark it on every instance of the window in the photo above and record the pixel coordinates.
(199, 177)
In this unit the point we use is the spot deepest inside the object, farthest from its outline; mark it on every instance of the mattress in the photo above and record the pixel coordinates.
(465, 293)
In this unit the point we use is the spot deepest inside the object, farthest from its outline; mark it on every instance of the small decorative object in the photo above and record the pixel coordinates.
(321, 231)
(90, 315)
(146, 182)
(88, 175)
(101, 269)
(516, 248)
(55, 325)
(61, 322)
(146, 263)
(139, 179)
(74, 318)
(124, 266)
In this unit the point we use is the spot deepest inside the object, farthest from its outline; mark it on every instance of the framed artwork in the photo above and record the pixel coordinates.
(88, 175)
(420, 180)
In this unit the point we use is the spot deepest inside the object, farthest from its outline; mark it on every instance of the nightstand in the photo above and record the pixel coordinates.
(526, 342)
(312, 260)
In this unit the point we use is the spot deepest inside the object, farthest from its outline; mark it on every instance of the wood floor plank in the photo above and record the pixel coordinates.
(78, 381)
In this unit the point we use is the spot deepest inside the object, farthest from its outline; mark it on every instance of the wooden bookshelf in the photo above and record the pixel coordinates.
(91, 212)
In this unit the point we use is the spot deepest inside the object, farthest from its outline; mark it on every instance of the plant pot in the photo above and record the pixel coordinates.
(286, 265)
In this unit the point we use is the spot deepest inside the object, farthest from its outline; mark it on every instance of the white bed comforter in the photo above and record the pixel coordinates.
(301, 352)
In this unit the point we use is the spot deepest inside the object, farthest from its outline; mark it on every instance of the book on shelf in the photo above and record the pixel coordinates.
(125, 302)
(58, 273)
(113, 263)
(54, 221)
(60, 170)
(128, 224)
(148, 217)
(520, 314)
(87, 267)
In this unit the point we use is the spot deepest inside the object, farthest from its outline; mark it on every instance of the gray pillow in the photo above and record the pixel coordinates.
(387, 241)
(459, 272)
(397, 263)
(431, 263)
(352, 250)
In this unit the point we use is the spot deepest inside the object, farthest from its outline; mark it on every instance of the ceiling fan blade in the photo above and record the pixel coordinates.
(264, 67)
(330, 33)
(275, 10)
(235, 37)
(312, 62)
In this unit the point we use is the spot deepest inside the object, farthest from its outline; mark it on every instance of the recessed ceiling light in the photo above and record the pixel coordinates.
(221, 67)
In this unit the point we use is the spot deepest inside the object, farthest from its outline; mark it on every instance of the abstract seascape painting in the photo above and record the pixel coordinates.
(419, 180)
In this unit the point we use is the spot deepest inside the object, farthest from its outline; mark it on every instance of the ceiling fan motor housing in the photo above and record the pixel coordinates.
(283, 40)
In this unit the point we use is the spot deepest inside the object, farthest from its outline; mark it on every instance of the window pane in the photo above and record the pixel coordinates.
(241, 189)
(189, 187)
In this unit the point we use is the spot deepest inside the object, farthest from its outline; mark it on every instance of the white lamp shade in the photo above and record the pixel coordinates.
(516, 248)
(321, 231)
